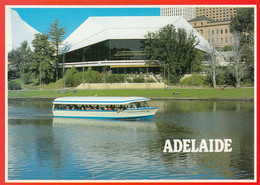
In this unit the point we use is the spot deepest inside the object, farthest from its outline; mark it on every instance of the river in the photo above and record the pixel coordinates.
(41, 147)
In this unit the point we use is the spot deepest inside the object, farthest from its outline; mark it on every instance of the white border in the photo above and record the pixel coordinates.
(130, 181)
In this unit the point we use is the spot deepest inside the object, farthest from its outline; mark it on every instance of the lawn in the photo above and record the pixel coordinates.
(152, 93)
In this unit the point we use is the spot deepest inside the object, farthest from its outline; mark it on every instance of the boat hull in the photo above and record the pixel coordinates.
(144, 113)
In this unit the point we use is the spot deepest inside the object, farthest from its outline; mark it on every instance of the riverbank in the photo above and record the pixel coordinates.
(190, 94)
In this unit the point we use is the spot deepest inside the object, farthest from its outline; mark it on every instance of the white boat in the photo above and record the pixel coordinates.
(103, 108)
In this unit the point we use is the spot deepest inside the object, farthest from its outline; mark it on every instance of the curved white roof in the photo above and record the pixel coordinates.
(18, 31)
(98, 29)
(98, 100)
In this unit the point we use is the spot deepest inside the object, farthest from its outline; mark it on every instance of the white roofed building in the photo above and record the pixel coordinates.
(18, 31)
(117, 42)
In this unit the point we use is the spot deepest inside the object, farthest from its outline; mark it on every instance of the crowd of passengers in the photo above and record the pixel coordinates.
(90, 107)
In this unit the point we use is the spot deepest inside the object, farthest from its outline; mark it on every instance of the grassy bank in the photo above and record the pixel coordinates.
(152, 93)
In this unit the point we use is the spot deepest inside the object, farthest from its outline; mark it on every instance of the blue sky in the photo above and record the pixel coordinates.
(72, 18)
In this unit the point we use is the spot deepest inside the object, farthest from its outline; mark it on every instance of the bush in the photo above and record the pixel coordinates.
(195, 80)
(27, 78)
(138, 79)
(116, 78)
(92, 76)
(72, 77)
(150, 80)
(14, 85)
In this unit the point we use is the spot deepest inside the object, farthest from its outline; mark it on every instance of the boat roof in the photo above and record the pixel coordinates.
(99, 100)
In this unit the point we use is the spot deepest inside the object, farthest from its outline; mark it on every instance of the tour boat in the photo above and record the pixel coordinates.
(103, 108)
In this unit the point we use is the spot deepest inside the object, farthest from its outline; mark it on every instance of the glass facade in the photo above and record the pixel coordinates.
(108, 50)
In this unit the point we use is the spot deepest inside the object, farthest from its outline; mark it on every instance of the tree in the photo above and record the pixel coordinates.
(56, 34)
(173, 49)
(92, 76)
(73, 77)
(20, 60)
(213, 67)
(243, 22)
(236, 66)
(43, 64)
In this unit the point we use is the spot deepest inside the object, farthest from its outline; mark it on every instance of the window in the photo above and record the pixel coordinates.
(226, 31)
(226, 40)
(221, 31)
(231, 40)
(221, 40)
(212, 32)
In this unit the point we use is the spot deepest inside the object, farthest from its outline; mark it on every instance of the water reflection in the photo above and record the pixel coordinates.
(81, 149)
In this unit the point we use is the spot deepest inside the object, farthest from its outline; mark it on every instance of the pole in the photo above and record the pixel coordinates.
(40, 76)
(164, 76)
(83, 80)
(63, 70)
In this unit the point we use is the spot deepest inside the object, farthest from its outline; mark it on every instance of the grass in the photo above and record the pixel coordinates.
(152, 93)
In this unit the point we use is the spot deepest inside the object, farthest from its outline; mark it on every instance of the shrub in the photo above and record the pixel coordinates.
(116, 78)
(138, 79)
(92, 76)
(195, 80)
(150, 80)
(72, 77)
(14, 85)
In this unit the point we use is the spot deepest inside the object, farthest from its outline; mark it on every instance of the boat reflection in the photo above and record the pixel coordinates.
(103, 123)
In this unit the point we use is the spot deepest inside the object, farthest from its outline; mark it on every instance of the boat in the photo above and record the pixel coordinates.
(103, 108)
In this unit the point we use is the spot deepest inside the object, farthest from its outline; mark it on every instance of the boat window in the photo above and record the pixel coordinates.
(138, 104)
(91, 107)
(132, 106)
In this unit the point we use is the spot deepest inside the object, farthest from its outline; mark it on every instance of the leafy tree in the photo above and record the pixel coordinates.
(73, 77)
(43, 65)
(173, 49)
(20, 60)
(243, 21)
(56, 34)
(92, 76)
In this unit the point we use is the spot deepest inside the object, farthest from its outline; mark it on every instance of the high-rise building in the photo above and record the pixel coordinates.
(187, 13)
(216, 13)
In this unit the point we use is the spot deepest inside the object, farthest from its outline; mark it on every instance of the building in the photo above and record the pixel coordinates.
(215, 32)
(216, 13)
(18, 31)
(116, 43)
(187, 13)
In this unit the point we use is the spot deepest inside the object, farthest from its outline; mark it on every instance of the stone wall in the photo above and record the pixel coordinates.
(121, 86)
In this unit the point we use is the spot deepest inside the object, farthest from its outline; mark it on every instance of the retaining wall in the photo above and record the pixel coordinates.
(121, 86)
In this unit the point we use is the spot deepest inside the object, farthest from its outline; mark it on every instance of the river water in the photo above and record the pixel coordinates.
(43, 148)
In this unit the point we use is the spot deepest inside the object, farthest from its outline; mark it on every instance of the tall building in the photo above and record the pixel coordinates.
(187, 13)
(216, 13)
(215, 32)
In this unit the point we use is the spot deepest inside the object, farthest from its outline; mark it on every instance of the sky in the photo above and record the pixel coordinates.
(71, 18)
